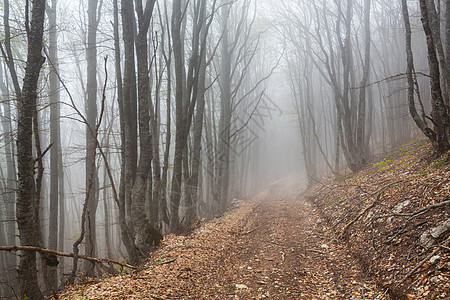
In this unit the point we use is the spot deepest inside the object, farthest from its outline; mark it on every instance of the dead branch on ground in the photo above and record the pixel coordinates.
(64, 254)
(423, 261)
(413, 214)
(165, 262)
(364, 211)
(244, 233)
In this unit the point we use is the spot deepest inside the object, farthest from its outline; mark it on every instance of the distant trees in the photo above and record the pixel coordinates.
(9, 184)
(364, 73)
(338, 59)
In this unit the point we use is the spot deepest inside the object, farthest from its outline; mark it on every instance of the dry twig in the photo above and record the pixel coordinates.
(364, 211)
(165, 262)
(414, 214)
(423, 261)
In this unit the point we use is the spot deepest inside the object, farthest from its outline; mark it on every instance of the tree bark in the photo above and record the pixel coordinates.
(129, 105)
(179, 117)
(129, 108)
(145, 234)
(421, 123)
(223, 155)
(439, 111)
(27, 199)
(52, 277)
(125, 232)
(91, 116)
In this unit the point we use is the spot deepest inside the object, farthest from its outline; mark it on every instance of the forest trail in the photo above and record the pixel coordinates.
(272, 247)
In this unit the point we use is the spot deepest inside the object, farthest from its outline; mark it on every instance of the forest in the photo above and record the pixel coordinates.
(128, 127)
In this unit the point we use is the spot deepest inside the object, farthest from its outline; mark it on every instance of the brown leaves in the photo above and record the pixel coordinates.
(388, 246)
(268, 248)
(280, 246)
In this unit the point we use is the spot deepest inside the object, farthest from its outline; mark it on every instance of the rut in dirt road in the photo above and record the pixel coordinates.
(272, 247)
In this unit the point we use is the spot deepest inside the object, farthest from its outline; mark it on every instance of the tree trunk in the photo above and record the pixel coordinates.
(62, 206)
(435, 26)
(129, 118)
(193, 183)
(106, 210)
(91, 116)
(129, 105)
(27, 200)
(55, 139)
(421, 123)
(439, 111)
(447, 46)
(163, 203)
(200, 41)
(361, 133)
(145, 235)
(125, 232)
(223, 156)
(180, 121)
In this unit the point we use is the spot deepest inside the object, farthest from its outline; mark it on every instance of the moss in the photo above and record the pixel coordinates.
(440, 161)
(385, 164)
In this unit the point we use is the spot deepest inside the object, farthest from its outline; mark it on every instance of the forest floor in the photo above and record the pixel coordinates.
(325, 243)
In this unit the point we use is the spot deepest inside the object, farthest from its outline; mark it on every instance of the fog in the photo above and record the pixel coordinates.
(153, 115)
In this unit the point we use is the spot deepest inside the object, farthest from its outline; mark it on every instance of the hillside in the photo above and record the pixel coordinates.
(394, 217)
(354, 238)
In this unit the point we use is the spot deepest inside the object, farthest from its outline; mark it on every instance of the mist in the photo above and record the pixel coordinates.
(125, 121)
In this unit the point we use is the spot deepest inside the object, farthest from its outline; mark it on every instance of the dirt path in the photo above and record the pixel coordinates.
(272, 247)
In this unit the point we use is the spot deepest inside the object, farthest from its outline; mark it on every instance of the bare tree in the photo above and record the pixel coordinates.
(91, 116)
(145, 234)
(142, 234)
(188, 90)
(420, 122)
(439, 112)
(55, 151)
(28, 200)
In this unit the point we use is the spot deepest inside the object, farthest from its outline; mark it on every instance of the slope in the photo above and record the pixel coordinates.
(394, 217)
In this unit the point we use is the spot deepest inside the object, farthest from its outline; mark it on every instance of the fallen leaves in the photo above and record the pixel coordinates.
(261, 250)
(280, 246)
(385, 237)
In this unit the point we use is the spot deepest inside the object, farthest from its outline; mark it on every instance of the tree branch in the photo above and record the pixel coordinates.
(64, 254)
(423, 261)
(364, 211)
(414, 214)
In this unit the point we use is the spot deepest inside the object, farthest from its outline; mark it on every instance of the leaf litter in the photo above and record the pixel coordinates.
(286, 243)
